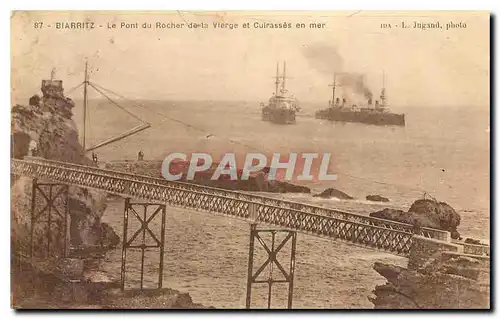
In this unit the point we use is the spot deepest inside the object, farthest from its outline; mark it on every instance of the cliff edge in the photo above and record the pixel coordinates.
(45, 128)
(450, 281)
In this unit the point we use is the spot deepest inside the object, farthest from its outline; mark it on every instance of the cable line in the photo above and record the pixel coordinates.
(204, 131)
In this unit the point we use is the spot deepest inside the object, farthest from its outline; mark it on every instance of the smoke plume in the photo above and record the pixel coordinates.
(356, 82)
(326, 59)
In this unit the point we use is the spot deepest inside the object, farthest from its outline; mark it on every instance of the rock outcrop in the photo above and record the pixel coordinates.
(149, 299)
(473, 241)
(426, 213)
(65, 284)
(377, 198)
(450, 281)
(440, 213)
(333, 193)
(45, 128)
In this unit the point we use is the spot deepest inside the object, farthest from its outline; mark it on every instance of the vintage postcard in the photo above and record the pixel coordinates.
(250, 160)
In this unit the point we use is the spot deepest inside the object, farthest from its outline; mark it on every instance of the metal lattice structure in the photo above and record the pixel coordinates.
(376, 233)
(271, 261)
(52, 216)
(138, 209)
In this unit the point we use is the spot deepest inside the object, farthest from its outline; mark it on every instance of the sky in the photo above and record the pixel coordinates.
(422, 67)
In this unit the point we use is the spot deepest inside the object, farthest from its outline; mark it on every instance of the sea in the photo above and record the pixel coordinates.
(442, 152)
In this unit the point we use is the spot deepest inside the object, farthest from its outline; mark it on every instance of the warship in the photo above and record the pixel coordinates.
(282, 105)
(377, 114)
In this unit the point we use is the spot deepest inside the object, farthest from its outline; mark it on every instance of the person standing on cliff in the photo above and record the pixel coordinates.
(32, 148)
(140, 155)
(94, 158)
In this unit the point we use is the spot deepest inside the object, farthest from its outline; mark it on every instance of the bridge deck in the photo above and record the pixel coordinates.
(375, 233)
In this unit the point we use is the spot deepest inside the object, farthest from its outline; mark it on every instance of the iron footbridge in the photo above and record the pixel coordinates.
(374, 233)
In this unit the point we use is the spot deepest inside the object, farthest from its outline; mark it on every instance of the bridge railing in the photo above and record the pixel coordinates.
(307, 208)
(391, 240)
(472, 249)
(381, 238)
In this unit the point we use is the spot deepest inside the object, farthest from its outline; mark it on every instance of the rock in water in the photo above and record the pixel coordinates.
(441, 213)
(447, 282)
(427, 213)
(404, 217)
(108, 236)
(333, 193)
(377, 198)
(473, 241)
(284, 187)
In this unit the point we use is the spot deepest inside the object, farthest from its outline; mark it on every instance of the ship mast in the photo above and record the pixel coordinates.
(284, 77)
(277, 82)
(334, 85)
(85, 83)
(382, 93)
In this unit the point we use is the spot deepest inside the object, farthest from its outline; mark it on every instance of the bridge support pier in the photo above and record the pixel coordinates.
(56, 213)
(140, 211)
(270, 262)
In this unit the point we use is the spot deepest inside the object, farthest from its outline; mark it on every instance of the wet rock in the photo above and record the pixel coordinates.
(390, 272)
(149, 299)
(41, 287)
(377, 198)
(109, 238)
(425, 213)
(86, 208)
(445, 283)
(388, 298)
(333, 193)
(473, 241)
(284, 187)
(440, 213)
(401, 216)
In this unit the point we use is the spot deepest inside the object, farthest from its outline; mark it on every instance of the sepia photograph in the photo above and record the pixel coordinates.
(250, 160)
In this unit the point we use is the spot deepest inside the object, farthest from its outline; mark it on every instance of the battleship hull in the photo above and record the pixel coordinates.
(375, 118)
(278, 115)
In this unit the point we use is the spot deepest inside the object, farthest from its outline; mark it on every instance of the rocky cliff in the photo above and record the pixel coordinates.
(449, 281)
(439, 275)
(44, 286)
(45, 128)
